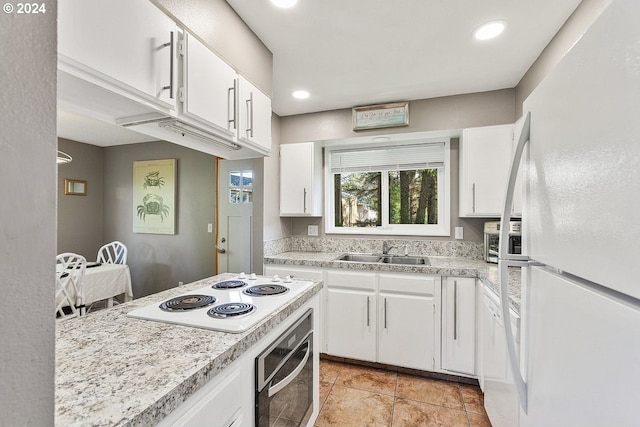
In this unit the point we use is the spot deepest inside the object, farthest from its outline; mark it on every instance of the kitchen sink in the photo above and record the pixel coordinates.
(360, 257)
(386, 259)
(405, 260)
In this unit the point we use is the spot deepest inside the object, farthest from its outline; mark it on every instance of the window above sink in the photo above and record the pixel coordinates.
(398, 189)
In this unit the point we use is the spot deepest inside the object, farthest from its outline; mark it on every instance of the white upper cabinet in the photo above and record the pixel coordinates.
(485, 159)
(125, 62)
(301, 179)
(254, 113)
(127, 44)
(208, 87)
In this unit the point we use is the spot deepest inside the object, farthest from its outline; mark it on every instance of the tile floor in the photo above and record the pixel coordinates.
(357, 396)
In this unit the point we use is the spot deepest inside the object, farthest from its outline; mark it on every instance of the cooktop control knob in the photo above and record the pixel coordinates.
(242, 275)
(288, 279)
(275, 278)
(253, 276)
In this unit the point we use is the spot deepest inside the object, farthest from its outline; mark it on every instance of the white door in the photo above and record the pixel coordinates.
(235, 216)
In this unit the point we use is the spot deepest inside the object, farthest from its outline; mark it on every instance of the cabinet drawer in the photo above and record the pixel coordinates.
(416, 284)
(353, 280)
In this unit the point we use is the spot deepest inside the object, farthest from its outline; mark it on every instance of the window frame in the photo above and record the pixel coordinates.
(443, 228)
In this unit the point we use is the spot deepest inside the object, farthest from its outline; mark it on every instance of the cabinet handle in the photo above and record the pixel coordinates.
(473, 194)
(250, 115)
(455, 310)
(170, 44)
(385, 313)
(233, 89)
(304, 200)
(367, 311)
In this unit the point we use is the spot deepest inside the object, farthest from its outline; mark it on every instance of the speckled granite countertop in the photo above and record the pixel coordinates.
(442, 266)
(113, 370)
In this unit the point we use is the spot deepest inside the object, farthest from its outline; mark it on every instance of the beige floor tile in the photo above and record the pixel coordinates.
(436, 392)
(325, 388)
(478, 420)
(329, 370)
(473, 398)
(348, 407)
(409, 413)
(369, 379)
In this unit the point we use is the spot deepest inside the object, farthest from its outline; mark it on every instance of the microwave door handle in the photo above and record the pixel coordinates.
(505, 261)
(274, 389)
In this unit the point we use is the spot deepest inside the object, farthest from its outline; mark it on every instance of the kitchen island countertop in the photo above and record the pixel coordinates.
(113, 370)
(441, 266)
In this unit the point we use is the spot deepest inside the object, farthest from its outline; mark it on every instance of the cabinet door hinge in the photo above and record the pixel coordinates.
(181, 48)
(181, 94)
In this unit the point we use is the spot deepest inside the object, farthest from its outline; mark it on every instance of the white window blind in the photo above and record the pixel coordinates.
(403, 157)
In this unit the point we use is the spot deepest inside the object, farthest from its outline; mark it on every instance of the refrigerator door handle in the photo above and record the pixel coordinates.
(505, 260)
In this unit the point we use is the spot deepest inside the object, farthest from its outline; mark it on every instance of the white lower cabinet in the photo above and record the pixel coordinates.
(382, 317)
(406, 324)
(219, 398)
(411, 320)
(459, 325)
(351, 312)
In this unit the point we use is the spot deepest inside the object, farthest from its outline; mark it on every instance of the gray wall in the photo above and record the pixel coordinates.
(157, 262)
(581, 19)
(274, 227)
(451, 112)
(218, 26)
(448, 112)
(80, 218)
(28, 212)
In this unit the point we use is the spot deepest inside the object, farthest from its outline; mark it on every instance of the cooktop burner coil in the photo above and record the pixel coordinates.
(231, 309)
(229, 284)
(187, 302)
(264, 290)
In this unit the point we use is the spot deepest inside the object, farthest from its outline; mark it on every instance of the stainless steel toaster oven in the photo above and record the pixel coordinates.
(492, 239)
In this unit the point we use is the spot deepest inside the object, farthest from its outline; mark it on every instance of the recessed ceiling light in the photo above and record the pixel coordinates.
(300, 94)
(489, 30)
(284, 4)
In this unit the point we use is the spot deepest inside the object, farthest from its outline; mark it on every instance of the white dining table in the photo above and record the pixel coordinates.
(105, 281)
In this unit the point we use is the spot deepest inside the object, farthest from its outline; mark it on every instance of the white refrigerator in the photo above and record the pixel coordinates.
(578, 360)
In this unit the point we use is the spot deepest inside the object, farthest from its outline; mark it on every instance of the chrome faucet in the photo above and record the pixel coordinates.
(386, 247)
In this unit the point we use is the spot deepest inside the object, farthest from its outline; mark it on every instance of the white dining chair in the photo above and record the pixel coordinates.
(113, 253)
(70, 270)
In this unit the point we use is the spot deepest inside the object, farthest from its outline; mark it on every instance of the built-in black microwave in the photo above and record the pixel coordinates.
(492, 239)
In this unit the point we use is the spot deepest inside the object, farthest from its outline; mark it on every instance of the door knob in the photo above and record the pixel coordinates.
(221, 250)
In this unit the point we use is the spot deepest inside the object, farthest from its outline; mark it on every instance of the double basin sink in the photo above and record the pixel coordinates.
(385, 259)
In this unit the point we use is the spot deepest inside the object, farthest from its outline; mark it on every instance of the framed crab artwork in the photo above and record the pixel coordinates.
(154, 196)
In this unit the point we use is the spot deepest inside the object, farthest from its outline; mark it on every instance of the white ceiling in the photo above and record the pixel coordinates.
(361, 52)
